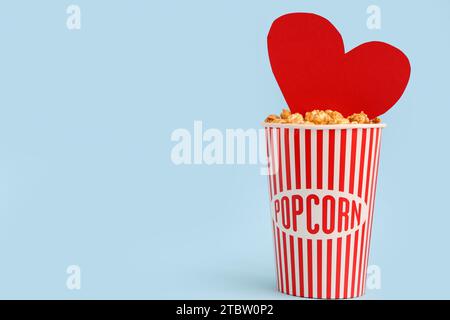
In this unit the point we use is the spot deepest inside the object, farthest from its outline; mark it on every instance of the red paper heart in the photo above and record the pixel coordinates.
(311, 67)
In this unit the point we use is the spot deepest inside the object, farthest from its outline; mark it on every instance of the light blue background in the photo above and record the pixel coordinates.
(85, 170)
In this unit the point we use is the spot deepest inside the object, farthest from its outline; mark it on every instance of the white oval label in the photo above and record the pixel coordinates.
(318, 214)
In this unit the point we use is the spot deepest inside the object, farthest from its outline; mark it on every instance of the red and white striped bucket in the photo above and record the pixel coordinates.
(322, 182)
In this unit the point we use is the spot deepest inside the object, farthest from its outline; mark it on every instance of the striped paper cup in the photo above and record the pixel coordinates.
(322, 182)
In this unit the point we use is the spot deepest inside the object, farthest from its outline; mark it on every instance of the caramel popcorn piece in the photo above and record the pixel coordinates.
(376, 120)
(285, 113)
(342, 121)
(295, 118)
(271, 118)
(336, 117)
(359, 118)
(279, 120)
(318, 117)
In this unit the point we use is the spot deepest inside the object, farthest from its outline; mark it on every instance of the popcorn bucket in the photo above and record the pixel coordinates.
(322, 182)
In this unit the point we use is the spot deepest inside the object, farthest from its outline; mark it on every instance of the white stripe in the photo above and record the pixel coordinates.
(356, 271)
(296, 266)
(324, 267)
(277, 260)
(333, 268)
(275, 163)
(305, 266)
(289, 272)
(325, 159)
(275, 265)
(314, 267)
(337, 158)
(313, 159)
(357, 160)
(282, 261)
(269, 136)
(350, 265)
(325, 148)
(348, 153)
(363, 255)
(283, 158)
(292, 158)
(325, 252)
(302, 158)
(342, 277)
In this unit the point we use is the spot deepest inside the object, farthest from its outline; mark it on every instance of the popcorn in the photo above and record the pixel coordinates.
(285, 113)
(320, 117)
(295, 118)
(359, 118)
(376, 120)
(271, 118)
(337, 117)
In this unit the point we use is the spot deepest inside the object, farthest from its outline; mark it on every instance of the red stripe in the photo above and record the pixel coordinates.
(352, 161)
(274, 163)
(300, 266)
(363, 234)
(294, 284)
(276, 256)
(369, 165)
(310, 270)
(319, 161)
(287, 158)
(308, 158)
(338, 267)
(268, 162)
(355, 253)
(362, 161)
(280, 172)
(331, 160)
(347, 260)
(279, 260)
(286, 266)
(297, 158)
(342, 160)
(329, 266)
(319, 269)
